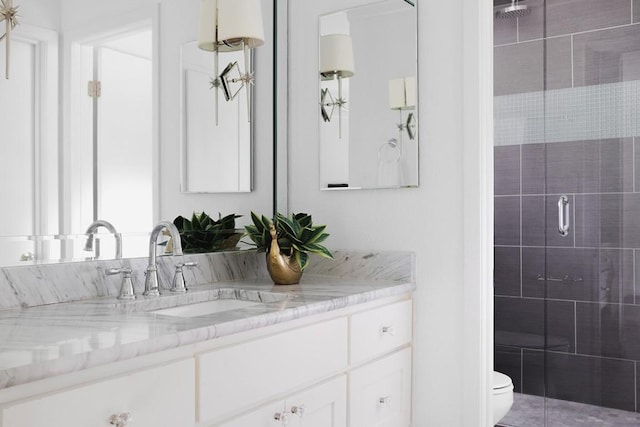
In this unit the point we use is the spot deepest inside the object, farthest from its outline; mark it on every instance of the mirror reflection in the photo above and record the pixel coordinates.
(93, 120)
(216, 139)
(368, 97)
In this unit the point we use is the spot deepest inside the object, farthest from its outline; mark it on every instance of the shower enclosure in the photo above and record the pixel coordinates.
(567, 210)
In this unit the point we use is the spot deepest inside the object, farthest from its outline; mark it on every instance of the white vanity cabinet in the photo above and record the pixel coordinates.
(160, 396)
(350, 367)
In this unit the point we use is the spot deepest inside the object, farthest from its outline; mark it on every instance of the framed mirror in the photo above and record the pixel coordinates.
(216, 126)
(368, 101)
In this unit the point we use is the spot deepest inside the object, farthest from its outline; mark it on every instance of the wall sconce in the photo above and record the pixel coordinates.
(402, 96)
(229, 26)
(336, 62)
(9, 14)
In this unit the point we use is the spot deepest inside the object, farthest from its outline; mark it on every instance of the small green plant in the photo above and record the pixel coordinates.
(297, 236)
(204, 234)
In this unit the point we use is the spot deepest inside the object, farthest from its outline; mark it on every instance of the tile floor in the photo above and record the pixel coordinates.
(529, 411)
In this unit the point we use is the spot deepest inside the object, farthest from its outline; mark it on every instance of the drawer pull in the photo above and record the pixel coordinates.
(384, 401)
(283, 417)
(298, 410)
(120, 420)
(388, 330)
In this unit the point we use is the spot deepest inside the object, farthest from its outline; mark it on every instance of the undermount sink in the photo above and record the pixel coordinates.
(207, 307)
(220, 301)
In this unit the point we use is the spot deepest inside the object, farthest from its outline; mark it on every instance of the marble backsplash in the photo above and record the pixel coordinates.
(56, 283)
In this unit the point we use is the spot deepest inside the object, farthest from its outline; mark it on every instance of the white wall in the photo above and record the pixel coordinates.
(436, 221)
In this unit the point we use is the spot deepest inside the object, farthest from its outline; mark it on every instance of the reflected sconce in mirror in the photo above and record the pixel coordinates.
(9, 15)
(229, 26)
(402, 97)
(336, 62)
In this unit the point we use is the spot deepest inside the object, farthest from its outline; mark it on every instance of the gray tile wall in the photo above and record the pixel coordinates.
(570, 304)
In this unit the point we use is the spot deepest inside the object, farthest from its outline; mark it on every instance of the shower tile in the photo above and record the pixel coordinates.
(608, 220)
(504, 31)
(572, 167)
(508, 360)
(507, 220)
(579, 274)
(608, 330)
(540, 221)
(593, 380)
(636, 145)
(616, 165)
(520, 323)
(558, 60)
(606, 56)
(518, 68)
(506, 276)
(572, 16)
(533, 168)
(533, 372)
(531, 26)
(506, 170)
(533, 220)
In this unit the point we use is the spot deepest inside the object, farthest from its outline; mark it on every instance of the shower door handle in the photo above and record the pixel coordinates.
(563, 215)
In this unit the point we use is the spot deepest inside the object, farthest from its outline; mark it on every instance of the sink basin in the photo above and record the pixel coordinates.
(219, 301)
(207, 307)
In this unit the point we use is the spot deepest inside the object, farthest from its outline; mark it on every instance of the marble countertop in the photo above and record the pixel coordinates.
(48, 340)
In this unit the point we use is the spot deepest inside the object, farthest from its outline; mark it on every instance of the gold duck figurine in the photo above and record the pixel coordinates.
(283, 269)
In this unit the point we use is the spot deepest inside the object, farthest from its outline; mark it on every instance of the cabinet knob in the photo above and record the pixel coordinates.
(390, 330)
(120, 420)
(283, 417)
(384, 401)
(298, 410)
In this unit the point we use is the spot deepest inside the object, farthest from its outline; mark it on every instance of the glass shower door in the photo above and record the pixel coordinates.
(591, 125)
(567, 206)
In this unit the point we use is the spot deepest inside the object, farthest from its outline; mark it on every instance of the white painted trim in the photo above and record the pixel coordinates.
(46, 127)
(478, 212)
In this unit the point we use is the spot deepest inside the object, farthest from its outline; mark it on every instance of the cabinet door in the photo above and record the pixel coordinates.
(324, 405)
(162, 396)
(272, 415)
(381, 330)
(240, 376)
(380, 392)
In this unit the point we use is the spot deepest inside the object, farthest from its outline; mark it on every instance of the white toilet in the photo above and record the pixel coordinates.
(502, 396)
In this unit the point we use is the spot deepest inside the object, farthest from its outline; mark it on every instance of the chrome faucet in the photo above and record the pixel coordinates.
(93, 227)
(151, 285)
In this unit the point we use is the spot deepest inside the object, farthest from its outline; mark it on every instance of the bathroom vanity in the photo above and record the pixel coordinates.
(332, 351)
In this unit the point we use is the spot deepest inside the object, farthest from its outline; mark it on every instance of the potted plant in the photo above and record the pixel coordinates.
(205, 234)
(288, 241)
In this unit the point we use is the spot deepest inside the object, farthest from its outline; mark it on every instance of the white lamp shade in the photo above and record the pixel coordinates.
(240, 20)
(410, 91)
(336, 55)
(207, 33)
(396, 94)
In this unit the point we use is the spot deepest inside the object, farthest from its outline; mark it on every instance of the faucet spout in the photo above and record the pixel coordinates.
(151, 284)
(91, 230)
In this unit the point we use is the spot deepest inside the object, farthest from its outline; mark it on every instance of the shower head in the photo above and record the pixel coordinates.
(514, 10)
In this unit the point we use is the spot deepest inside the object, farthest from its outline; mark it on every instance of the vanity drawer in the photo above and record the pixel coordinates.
(237, 377)
(380, 392)
(377, 331)
(161, 396)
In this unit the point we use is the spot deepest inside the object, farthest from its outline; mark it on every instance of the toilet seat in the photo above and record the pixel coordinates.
(501, 383)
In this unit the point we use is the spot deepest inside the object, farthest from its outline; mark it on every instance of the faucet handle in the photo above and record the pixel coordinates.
(178, 284)
(126, 289)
